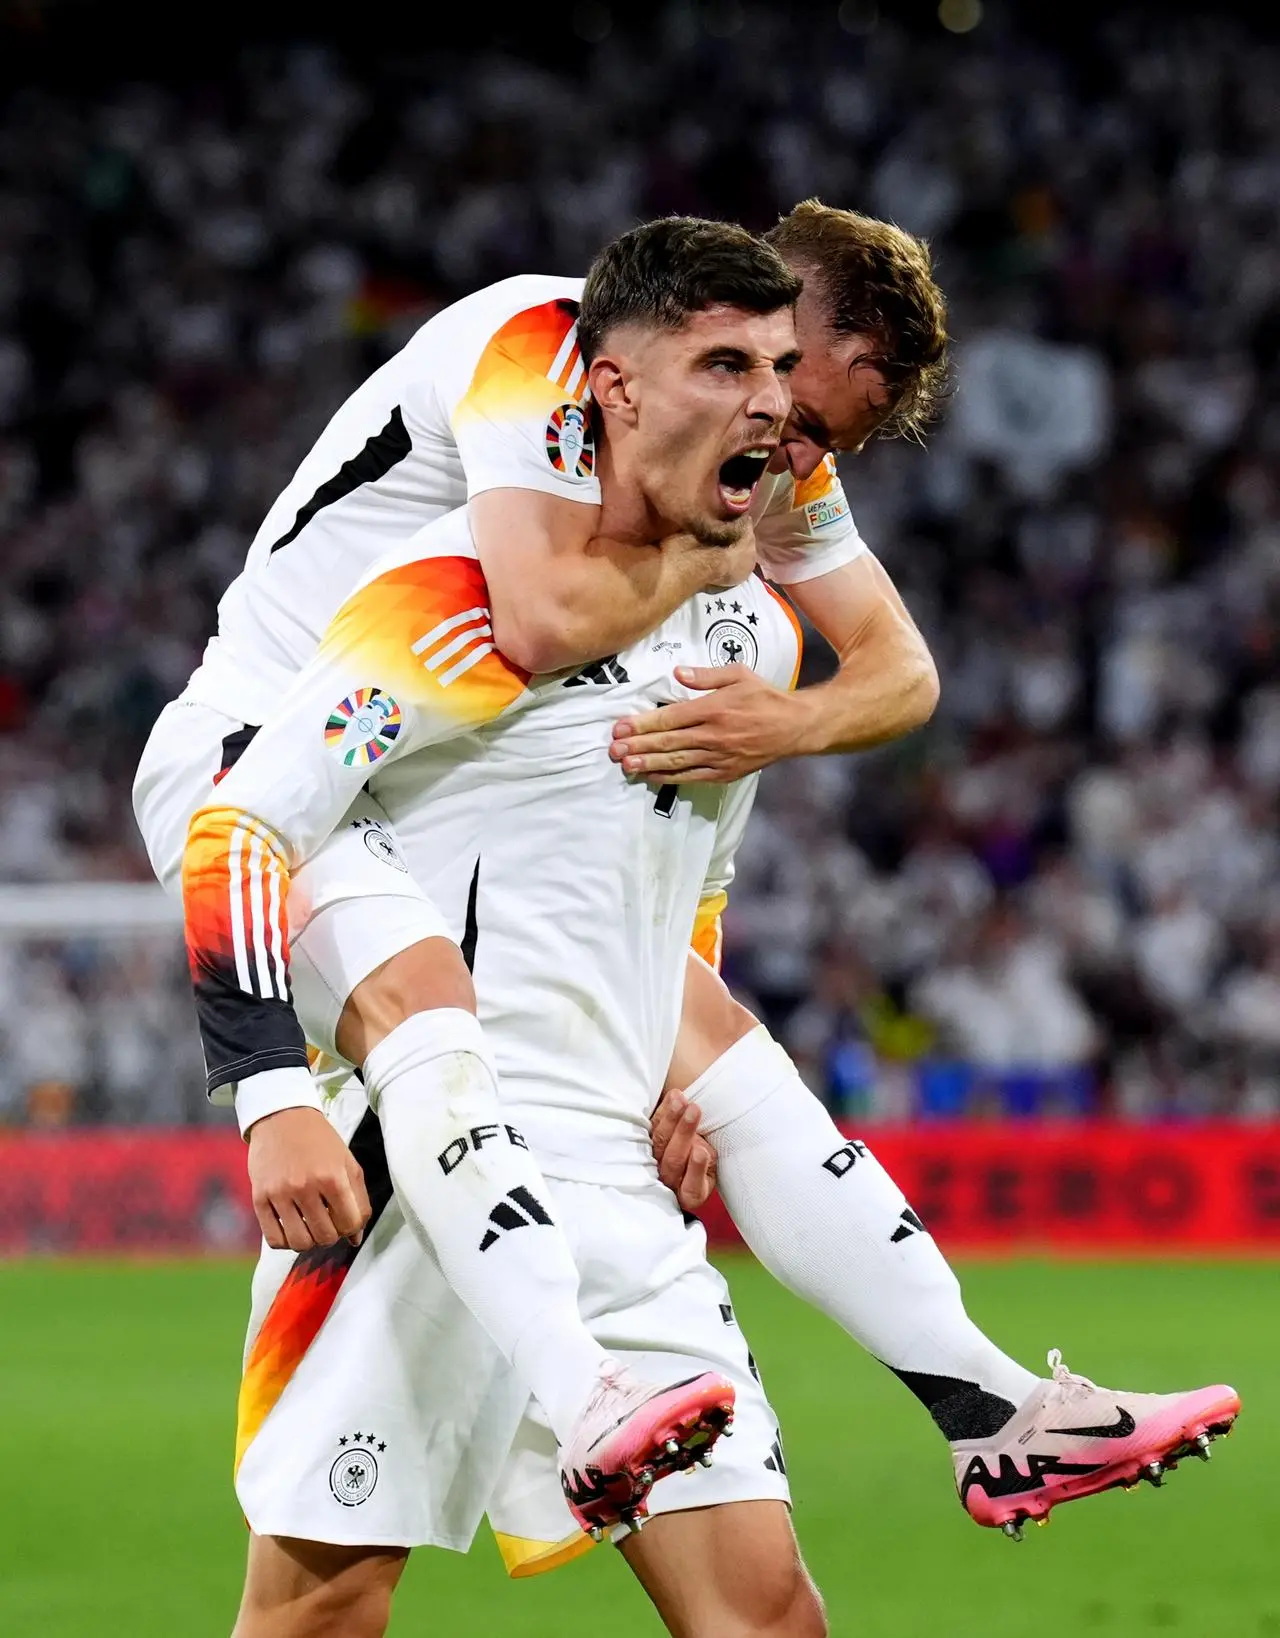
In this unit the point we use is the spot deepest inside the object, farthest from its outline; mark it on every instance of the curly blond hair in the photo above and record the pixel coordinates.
(876, 279)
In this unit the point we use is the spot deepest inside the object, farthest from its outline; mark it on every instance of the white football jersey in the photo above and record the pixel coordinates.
(408, 666)
(574, 890)
(488, 394)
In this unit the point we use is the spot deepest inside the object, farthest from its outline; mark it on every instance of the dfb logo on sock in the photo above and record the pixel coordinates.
(456, 1152)
(844, 1160)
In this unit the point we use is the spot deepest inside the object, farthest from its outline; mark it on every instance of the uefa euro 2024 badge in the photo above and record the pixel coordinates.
(570, 446)
(362, 728)
(354, 1472)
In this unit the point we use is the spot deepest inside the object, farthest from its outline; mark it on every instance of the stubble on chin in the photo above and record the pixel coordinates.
(713, 532)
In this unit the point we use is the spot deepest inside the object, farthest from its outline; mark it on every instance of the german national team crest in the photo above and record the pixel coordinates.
(354, 1474)
(570, 446)
(362, 728)
(729, 642)
(380, 843)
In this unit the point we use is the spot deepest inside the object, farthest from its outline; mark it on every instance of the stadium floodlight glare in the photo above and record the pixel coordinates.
(960, 16)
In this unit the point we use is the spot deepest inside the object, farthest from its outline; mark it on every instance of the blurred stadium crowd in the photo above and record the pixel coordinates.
(1064, 895)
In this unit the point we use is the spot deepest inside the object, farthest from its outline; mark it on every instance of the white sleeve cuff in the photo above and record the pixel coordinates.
(789, 564)
(274, 1090)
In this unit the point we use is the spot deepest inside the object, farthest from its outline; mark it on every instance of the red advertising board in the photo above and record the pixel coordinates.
(124, 1191)
(1095, 1187)
(1079, 1188)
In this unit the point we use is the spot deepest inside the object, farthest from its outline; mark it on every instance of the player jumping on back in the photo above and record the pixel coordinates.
(392, 736)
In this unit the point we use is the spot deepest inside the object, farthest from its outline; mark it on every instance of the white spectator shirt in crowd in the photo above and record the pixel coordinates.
(1250, 1007)
(1176, 952)
(489, 394)
(1017, 1013)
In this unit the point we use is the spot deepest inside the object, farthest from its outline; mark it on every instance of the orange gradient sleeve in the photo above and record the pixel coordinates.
(820, 483)
(532, 360)
(235, 883)
(522, 422)
(708, 935)
(407, 662)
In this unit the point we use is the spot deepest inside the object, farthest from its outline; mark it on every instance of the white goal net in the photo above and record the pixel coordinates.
(97, 1023)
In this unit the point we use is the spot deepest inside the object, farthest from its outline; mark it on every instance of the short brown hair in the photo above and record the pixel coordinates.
(876, 279)
(664, 271)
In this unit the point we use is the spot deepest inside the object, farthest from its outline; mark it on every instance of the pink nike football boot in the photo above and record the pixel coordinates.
(630, 1435)
(1070, 1439)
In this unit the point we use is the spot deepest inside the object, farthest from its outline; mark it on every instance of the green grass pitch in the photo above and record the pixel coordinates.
(117, 1384)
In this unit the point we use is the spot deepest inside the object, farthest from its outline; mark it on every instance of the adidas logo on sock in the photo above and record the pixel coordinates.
(504, 1216)
(908, 1225)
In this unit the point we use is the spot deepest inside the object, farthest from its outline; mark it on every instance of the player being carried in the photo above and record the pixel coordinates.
(255, 944)
(485, 406)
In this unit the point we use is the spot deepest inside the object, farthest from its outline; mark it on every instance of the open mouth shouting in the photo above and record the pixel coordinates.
(739, 475)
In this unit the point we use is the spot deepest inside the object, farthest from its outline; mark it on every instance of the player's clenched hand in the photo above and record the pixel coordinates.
(308, 1189)
(686, 1161)
(739, 724)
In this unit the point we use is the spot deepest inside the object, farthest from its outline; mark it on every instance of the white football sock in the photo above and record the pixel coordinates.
(826, 1219)
(473, 1193)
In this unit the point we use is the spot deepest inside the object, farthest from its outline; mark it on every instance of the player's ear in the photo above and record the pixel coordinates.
(611, 387)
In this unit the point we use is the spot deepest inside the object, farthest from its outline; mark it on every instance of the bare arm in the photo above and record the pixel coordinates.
(562, 594)
(886, 685)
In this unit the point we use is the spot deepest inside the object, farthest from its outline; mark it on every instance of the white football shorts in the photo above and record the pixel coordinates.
(352, 906)
(374, 1411)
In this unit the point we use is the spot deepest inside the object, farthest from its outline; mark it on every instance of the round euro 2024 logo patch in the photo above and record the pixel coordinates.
(362, 728)
(570, 446)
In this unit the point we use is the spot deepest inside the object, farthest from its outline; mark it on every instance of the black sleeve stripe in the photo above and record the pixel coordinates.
(384, 450)
(471, 930)
(234, 745)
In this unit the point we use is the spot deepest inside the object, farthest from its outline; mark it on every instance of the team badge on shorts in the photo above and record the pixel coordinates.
(354, 1474)
(729, 642)
(570, 447)
(380, 844)
(362, 728)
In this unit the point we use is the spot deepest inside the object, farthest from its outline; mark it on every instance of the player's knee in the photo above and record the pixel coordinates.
(428, 975)
(772, 1602)
(362, 1611)
(810, 1613)
(354, 1601)
(789, 1607)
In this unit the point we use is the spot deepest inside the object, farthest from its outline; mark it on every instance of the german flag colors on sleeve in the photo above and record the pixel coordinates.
(409, 661)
